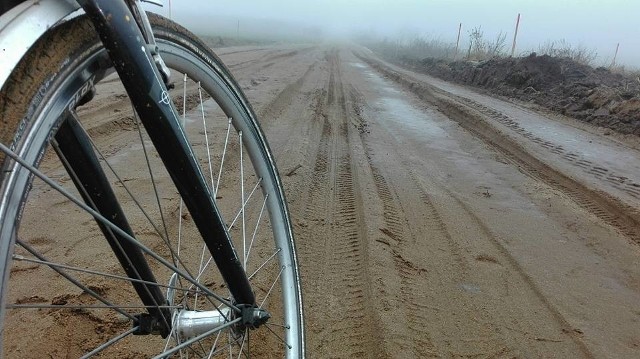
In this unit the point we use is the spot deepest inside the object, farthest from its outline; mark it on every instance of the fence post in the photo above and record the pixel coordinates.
(515, 35)
(613, 63)
(457, 42)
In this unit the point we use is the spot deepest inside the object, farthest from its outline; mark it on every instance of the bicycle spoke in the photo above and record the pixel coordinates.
(245, 337)
(113, 204)
(65, 306)
(244, 234)
(88, 271)
(255, 230)
(278, 325)
(123, 184)
(165, 239)
(209, 162)
(270, 289)
(191, 349)
(231, 226)
(199, 337)
(179, 228)
(73, 280)
(172, 335)
(206, 137)
(264, 263)
(181, 206)
(244, 203)
(184, 121)
(223, 348)
(153, 181)
(214, 345)
(277, 336)
(108, 223)
(224, 153)
(200, 271)
(204, 268)
(109, 343)
(85, 160)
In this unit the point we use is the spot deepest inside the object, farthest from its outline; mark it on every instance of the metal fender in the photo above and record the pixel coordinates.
(23, 25)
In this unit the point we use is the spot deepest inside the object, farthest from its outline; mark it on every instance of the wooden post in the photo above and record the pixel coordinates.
(613, 63)
(515, 36)
(457, 42)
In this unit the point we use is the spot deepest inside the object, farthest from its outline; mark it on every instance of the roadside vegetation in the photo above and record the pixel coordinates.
(477, 46)
(557, 75)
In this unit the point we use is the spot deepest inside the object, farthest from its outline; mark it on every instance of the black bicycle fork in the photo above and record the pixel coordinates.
(120, 27)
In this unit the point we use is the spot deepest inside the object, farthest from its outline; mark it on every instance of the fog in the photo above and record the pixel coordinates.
(594, 24)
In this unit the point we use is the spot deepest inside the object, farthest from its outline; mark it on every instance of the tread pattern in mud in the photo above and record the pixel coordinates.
(406, 234)
(339, 311)
(602, 205)
(597, 170)
(412, 298)
(448, 264)
(609, 209)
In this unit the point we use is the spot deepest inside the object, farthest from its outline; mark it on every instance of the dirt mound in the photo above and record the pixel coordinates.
(594, 95)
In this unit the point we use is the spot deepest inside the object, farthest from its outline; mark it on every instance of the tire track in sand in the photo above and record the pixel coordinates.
(284, 98)
(460, 320)
(416, 337)
(416, 303)
(609, 209)
(336, 276)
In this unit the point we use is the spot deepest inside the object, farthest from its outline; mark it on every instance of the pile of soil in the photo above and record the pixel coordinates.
(594, 95)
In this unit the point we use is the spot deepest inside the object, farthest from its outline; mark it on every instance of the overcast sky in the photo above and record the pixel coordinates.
(598, 24)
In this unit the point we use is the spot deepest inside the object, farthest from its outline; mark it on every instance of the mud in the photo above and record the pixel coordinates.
(594, 95)
(420, 235)
(430, 220)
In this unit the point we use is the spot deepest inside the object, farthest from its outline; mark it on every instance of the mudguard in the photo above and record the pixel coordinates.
(23, 25)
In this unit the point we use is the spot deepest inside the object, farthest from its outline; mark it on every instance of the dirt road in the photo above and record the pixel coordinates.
(432, 220)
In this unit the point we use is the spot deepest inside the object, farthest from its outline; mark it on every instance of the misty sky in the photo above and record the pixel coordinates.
(598, 24)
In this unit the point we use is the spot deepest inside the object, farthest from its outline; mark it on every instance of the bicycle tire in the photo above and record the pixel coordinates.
(49, 80)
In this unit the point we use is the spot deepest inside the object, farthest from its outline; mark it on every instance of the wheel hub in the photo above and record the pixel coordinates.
(192, 323)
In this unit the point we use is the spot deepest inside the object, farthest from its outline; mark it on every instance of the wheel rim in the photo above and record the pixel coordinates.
(257, 188)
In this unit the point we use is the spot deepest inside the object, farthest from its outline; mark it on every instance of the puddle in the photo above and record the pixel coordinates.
(435, 144)
(398, 110)
(395, 108)
(471, 288)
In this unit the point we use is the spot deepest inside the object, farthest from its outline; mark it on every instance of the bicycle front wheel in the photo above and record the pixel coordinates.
(63, 291)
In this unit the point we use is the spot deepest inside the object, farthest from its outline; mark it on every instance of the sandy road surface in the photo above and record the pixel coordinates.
(435, 221)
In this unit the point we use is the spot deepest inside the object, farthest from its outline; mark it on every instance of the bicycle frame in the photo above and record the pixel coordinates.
(125, 33)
